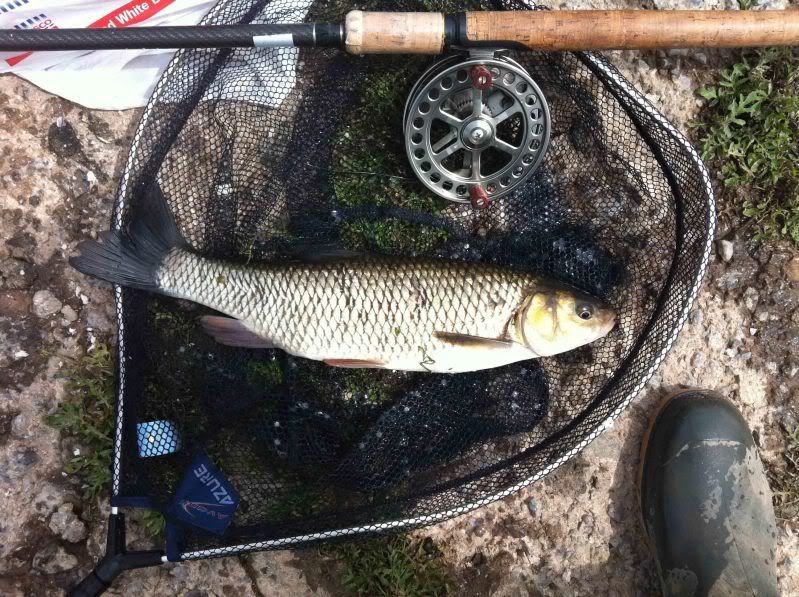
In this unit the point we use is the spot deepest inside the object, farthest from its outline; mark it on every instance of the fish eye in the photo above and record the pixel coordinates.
(585, 311)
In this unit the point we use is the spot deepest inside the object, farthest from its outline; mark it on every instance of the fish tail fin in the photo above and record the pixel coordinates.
(132, 257)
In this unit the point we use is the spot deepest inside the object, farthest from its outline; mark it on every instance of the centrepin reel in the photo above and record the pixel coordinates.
(476, 127)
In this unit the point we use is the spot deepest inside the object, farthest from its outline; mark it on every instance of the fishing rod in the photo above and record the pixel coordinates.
(435, 33)
(476, 125)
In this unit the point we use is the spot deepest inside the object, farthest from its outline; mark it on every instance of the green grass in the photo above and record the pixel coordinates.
(392, 567)
(179, 326)
(364, 385)
(371, 167)
(296, 503)
(749, 130)
(154, 524)
(264, 374)
(87, 414)
(784, 480)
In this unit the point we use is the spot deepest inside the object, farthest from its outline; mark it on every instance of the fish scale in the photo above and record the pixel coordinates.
(386, 309)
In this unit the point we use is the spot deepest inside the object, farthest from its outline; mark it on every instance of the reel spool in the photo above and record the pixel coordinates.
(476, 127)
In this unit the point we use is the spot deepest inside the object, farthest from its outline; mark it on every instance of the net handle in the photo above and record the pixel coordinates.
(432, 33)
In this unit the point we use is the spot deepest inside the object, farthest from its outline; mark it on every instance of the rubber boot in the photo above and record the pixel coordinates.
(705, 501)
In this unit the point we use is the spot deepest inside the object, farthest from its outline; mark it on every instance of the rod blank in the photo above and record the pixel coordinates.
(211, 36)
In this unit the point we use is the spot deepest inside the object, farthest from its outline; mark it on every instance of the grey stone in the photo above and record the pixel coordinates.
(741, 273)
(696, 4)
(45, 303)
(180, 573)
(16, 274)
(48, 499)
(771, 5)
(22, 460)
(698, 360)
(751, 296)
(681, 79)
(53, 559)
(586, 524)
(19, 425)
(66, 524)
(532, 506)
(725, 249)
(69, 313)
(786, 298)
(696, 317)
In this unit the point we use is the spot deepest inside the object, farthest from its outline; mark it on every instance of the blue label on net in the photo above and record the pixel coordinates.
(205, 499)
(157, 438)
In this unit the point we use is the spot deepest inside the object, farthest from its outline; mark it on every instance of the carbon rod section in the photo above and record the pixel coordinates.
(211, 36)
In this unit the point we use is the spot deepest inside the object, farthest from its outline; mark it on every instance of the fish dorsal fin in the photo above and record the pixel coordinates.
(355, 363)
(232, 332)
(467, 341)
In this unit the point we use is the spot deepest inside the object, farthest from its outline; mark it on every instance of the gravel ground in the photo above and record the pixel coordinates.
(576, 532)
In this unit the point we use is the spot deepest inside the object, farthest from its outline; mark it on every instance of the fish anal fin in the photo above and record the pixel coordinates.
(477, 342)
(355, 363)
(232, 332)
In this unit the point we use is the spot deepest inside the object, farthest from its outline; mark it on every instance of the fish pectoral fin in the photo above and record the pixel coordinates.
(355, 363)
(467, 341)
(232, 332)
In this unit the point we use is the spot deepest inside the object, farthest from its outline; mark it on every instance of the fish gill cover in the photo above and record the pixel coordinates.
(265, 164)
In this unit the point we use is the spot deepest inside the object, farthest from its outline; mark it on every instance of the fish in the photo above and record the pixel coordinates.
(370, 311)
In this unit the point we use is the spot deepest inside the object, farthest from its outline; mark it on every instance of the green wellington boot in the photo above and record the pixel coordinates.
(705, 501)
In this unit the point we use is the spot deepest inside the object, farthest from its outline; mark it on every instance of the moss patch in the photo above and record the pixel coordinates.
(748, 131)
(392, 567)
(371, 167)
(264, 374)
(87, 414)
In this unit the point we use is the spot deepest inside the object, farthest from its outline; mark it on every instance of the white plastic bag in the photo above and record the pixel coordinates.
(111, 79)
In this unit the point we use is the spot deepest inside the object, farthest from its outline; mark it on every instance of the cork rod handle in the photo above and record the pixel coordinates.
(394, 32)
(431, 33)
(635, 29)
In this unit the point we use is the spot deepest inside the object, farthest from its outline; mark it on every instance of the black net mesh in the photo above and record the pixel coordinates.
(261, 152)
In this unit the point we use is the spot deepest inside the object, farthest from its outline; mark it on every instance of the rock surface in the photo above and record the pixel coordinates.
(66, 524)
(53, 559)
(574, 532)
(45, 304)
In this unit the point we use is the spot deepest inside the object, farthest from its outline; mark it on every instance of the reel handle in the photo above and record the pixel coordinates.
(430, 33)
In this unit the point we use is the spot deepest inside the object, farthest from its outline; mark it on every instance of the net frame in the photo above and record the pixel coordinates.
(692, 270)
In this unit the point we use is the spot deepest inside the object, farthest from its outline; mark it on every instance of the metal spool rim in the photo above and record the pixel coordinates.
(511, 128)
